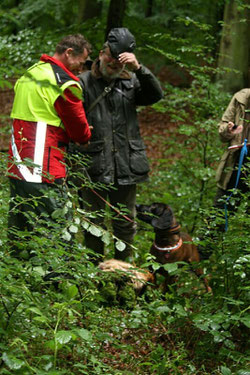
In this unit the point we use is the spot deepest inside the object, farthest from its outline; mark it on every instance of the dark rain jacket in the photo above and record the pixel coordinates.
(116, 150)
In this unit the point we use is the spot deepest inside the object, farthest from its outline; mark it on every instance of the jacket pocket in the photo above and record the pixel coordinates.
(95, 155)
(137, 158)
(127, 90)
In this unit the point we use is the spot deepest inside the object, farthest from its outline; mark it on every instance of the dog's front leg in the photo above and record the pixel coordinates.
(199, 273)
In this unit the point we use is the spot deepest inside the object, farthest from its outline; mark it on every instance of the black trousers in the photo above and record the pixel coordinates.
(31, 207)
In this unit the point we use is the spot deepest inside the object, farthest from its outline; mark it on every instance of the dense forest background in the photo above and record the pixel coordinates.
(93, 324)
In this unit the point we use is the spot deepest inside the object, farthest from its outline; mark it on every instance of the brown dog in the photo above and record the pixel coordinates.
(170, 244)
(139, 277)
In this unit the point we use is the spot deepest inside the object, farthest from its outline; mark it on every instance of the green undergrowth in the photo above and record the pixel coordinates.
(80, 321)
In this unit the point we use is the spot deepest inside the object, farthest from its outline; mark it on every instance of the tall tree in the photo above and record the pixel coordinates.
(116, 14)
(234, 50)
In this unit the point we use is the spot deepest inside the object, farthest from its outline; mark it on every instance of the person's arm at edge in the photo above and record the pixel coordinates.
(226, 131)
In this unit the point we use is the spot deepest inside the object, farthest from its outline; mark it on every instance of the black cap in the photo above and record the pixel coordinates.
(120, 40)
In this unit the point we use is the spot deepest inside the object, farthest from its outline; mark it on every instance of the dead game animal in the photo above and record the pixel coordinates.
(138, 277)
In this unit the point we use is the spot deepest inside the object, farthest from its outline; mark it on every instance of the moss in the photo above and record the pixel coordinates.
(109, 292)
(116, 289)
(127, 296)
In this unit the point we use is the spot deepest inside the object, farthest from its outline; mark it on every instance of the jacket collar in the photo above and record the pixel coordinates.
(95, 71)
(243, 97)
(52, 60)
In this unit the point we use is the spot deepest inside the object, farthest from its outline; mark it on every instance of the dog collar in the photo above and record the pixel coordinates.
(169, 249)
(175, 229)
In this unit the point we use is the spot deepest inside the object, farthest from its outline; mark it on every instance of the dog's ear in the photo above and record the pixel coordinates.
(164, 220)
(144, 213)
(158, 209)
(158, 214)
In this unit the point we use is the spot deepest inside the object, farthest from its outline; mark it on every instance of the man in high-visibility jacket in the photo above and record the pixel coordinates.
(47, 113)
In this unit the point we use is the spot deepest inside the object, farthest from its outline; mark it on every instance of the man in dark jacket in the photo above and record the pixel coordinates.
(116, 151)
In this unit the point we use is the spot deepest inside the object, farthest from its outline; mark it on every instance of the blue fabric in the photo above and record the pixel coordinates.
(243, 153)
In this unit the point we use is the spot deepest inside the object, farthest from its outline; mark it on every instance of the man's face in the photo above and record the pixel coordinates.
(110, 67)
(73, 62)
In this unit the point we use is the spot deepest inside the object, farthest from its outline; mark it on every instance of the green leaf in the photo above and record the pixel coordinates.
(246, 321)
(106, 238)
(41, 319)
(57, 213)
(73, 229)
(85, 224)
(215, 326)
(156, 266)
(77, 220)
(84, 334)
(163, 309)
(225, 370)
(51, 344)
(12, 362)
(66, 236)
(71, 291)
(170, 267)
(229, 344)
(63, 336)
(180, 310)
(120, 245)
(95, 231)
(39, 270)
(35, 310)
(48, 366)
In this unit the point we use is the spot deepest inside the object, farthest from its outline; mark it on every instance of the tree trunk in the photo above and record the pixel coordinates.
(89, 9)
(234, 46)
(116, 14)
(149, 9)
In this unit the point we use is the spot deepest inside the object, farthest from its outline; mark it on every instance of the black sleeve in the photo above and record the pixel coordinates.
(148, 89)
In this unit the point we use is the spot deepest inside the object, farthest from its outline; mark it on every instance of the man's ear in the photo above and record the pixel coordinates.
(69, 51)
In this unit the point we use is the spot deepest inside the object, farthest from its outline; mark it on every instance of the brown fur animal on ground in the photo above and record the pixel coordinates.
(139, 276)
(170, 244)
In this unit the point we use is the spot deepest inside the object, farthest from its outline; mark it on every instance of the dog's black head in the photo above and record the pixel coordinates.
(159, 215)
